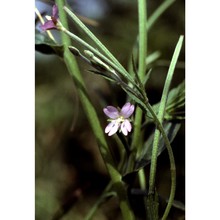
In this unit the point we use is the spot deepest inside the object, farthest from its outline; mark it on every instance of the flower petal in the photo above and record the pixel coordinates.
(112, 128)
(127, 110)
(55, 11)
(48, 25)
(126, 127)
(111, 112)
(109, 127)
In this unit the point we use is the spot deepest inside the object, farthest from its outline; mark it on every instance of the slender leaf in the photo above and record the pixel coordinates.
(171, 129)
(147, 77)
(151, 21)
(96, 41)
(152, 57)
(175, 104)
(157, 133)
(179, 205)
(158, 12)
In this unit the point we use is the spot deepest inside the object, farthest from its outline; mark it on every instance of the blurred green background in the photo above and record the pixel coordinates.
(70, 174)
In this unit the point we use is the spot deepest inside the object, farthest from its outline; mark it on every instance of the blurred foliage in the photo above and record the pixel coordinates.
(45, 45)
(70, 174)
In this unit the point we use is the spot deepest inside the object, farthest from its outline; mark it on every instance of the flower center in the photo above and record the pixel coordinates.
(120, 119)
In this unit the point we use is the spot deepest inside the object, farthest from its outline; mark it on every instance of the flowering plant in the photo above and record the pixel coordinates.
(128, 126)
(119, 119)
(52, 20)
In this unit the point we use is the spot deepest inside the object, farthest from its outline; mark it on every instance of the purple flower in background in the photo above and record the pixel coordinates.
(52, 20)
(119, 119)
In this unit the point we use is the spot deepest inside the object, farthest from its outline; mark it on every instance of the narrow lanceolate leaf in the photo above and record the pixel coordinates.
(45, 45)
(97, 42)
(158, 12)
(175, 107)
(171, 129)
(152, 57)
(169, 79)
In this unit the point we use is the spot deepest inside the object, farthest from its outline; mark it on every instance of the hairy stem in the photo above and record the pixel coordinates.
(172, 161)
(157, 134)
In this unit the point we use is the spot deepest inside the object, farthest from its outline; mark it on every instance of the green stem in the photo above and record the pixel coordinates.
(171, 158)
(137, 140)
(109, 62)
(94, 38)
(137, 131)
(93, 119)
(142, 179)
(142, 15)
(160, 117)
(98, 54)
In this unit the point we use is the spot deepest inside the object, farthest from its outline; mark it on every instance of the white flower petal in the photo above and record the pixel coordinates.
(112, 128)
(48, 17)
(126, 127)
(109, 127)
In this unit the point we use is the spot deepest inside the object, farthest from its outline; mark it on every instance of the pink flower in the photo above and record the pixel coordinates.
(119, 119)
(52, 20)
